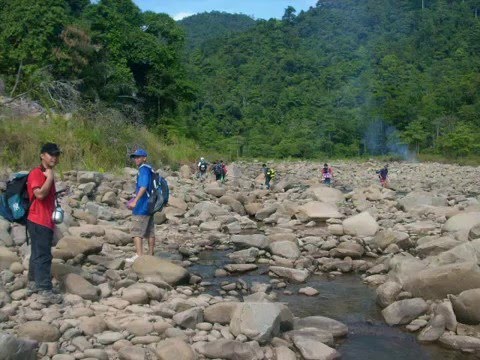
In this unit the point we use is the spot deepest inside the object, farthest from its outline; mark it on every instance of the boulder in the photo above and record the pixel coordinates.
(220, 312)
(150, 265)
(93, 325)
(474, 233)
(286, 249)
(233, 203)
(317, 211)
(387, 237)
(40, 331)
(185, 172)
(295, 275)
(336, 328)
(174, 349)
(77, 285)
(417, 199)
(244, 256)
(12, 348)
(436, 282)
(188, 319)
(362, 224)
(70, 246)
(434, 329)
(348, 248)
(7, 258)
(462, 222)
(387, 293)
(465, 306)
(215, 190)
(403, 311)
(458, 342)
(245, 241)
(230, 350)
(312, 349)
(257, 321)
(326, 194)
(446, 310)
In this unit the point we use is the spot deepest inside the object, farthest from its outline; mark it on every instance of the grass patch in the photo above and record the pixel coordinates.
(94, 141)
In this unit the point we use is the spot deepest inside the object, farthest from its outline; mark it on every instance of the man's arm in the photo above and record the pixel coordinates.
(43, 191)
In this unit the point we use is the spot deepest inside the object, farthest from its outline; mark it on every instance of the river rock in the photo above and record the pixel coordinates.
(295, 275)
(417, 199)
(174, 349)
(348, 248)
(70, 246)
(7, 258)
(436, 282)
(287, 249)
(76, 284)
(446, 310)
(462, 222)
(317, 211)
(93, 325)
(39, 331)
(230, 350)
(257, 321)
(312, 349)
(336, 328)
(403, 311)
(362, 224)
(284, 353)
(458, 342)
(169, 272)
(387, 293)
(12, 348)
(326, 194)
(188, 319)
(215, 190)
(220, 312)
(245, 241)
(385, 238)
(244, 256)
(434, 329)
(474, 233)
(466, 306)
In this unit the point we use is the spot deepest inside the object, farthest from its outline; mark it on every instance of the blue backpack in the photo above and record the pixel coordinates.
(14, 202)
(158, 192)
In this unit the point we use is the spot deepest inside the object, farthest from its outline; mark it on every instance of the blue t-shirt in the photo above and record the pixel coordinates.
(143, 180)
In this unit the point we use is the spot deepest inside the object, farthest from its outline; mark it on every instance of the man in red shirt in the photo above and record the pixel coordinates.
(40, 225)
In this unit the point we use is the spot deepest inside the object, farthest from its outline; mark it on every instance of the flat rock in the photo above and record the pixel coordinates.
(39, 331)
(362, 224)
(336, 328)
(403, 311)
(168, 271)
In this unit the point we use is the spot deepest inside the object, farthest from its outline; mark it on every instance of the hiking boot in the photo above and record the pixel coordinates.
(131, 259)
(49, 297)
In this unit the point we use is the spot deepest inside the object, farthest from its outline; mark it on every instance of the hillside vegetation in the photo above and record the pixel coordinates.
(346, 78)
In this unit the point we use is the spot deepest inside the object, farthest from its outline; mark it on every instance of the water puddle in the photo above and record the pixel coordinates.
(345, 298)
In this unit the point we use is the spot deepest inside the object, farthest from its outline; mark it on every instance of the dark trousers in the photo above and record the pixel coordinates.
(267, 181)
(40, 269)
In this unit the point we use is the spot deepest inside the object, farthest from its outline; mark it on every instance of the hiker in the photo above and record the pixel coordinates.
(224, 171)
(41, 224)
(217, 169)
(327, 174)
(202, 167)
(269, 175)
(383, 176)
(142, 221)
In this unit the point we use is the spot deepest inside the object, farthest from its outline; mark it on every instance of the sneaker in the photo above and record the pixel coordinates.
(132, 259)
(48, 297)
(32, 287)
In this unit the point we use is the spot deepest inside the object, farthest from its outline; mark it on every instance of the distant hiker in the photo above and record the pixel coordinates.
(217, 169)
(202, 167)
(383, 176)
(224, 170)
(269, 175)
(41, 223)
(142, 220)
(327, 174)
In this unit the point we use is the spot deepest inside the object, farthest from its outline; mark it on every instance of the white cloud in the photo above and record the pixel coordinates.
(181, 15)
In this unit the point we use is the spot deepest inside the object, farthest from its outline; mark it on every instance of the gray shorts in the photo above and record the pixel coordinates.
(142, 226)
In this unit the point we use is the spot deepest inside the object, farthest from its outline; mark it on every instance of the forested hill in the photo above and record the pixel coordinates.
(213, 25)
(340, 78)
(343, 78)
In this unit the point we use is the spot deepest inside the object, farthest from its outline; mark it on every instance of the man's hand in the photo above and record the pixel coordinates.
(48, 173)
(131, 204)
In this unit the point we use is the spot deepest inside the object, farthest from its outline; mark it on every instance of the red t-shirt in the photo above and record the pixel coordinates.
(40, 211)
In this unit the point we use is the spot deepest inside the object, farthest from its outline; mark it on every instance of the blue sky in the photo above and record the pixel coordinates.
(259, 9)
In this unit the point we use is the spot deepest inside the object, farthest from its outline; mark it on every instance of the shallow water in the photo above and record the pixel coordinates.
(345, 298)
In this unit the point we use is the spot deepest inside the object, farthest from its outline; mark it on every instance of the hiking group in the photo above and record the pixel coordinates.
(32, 199)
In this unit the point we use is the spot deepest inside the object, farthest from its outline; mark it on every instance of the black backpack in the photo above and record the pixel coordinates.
(203, 166)
(14, 202)
(218, 169)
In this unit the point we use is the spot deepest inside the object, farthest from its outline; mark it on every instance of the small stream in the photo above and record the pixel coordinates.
(345, 298)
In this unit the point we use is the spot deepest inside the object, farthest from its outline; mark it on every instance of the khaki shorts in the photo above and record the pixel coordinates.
(142, 226)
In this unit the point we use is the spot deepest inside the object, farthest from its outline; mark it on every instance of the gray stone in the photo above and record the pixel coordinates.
(230, 350)
(39, 331)
(245, 241)
(287, 249)
(434, 329)
(188, 319)
(295, 275)
(387, 293)
(403, 311)
(220, 312)
(76, 284)
(169, 272)
(12, 348)
(465, 306)
(362, 224)
(336, 328)
(174, 349)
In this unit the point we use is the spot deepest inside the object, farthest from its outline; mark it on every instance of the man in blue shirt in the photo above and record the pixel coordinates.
(142, 221)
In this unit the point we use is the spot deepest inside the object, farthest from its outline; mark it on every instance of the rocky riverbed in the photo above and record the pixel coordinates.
(243, 273)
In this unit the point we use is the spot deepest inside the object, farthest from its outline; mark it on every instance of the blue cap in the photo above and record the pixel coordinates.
(139, 153)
